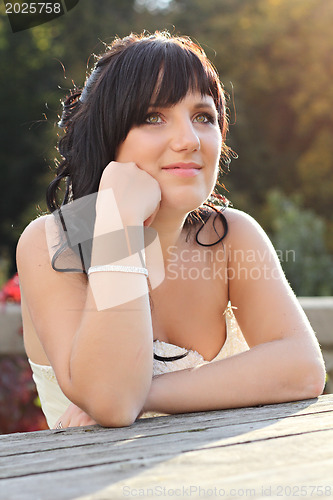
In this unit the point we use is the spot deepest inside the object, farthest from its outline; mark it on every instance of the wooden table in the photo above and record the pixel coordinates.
(273, 451)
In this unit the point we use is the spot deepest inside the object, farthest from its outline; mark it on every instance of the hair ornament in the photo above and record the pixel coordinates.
(78, 97)
(67, 108)
(90, 82)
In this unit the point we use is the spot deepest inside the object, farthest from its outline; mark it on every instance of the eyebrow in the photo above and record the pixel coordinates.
(204, 105)
(197, 106)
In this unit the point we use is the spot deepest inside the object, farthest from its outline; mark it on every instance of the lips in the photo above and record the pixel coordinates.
(183, 169)
(183, 166)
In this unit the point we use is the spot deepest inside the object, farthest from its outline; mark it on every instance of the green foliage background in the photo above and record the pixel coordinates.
(275, 58)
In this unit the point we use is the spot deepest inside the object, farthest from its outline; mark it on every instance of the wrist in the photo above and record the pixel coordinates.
(112, 215)
(130, 220)
(123, 247)
(134, 260)
(118, 268)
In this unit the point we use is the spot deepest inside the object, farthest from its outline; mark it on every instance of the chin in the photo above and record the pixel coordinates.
(183, 202)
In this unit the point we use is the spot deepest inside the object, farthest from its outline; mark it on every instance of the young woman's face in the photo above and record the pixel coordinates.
(180, 147)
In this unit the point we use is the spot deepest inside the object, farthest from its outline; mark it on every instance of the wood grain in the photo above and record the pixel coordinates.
(260, 452)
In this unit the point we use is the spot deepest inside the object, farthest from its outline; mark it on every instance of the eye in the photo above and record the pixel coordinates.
(205, 118)
(153, 119)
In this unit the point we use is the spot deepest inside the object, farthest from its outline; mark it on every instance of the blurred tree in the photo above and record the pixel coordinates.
(280, 69)
(22, 141)
(298, 237)
(281, 73)
(34, 66)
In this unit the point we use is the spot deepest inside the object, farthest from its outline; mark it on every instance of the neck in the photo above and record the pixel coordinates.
(169, 228)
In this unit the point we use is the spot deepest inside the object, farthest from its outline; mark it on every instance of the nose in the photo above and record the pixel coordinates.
(185, 137)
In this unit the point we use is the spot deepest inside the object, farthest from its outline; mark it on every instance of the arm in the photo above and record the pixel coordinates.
(284, 362)
(102, 357)
(273, 372)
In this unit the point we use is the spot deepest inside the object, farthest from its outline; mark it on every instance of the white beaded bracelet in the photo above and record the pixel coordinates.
(122, 269)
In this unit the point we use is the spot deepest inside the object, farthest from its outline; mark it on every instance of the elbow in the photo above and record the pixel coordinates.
(110, 405)
(317, 384)
(119, 419)
(119, 414)
(313, 382)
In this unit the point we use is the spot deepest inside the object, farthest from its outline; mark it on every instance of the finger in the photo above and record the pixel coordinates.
(59, 425)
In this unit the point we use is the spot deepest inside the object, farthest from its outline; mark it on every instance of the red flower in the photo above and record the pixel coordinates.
(10, 292)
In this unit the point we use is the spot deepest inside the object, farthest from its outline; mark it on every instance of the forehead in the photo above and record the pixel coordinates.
(179, 73)
(193, 99)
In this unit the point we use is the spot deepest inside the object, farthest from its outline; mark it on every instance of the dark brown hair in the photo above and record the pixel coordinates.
(116, 97)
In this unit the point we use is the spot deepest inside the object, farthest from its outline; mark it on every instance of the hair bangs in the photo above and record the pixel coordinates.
(182, 71)
(134, 73)
(161, 73)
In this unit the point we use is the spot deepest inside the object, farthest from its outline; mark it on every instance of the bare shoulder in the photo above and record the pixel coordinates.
(267, 307)
(235, 216)
(33, 243)
(245, 233)
(238, 227)
(241, 225)
(250, 247)
(42, 249)
(36, 227)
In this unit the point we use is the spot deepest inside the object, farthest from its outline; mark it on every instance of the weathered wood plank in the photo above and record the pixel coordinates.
(285, 462)
(147, 447)
(12, 443)
(258, 447)
(39, 441)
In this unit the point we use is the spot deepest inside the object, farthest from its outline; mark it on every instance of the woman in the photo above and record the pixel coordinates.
(108, 344)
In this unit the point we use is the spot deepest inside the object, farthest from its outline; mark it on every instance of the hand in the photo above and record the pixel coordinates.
(74, 417)
(137, 193)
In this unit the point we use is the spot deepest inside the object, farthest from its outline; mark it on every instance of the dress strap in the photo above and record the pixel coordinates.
(229, 308)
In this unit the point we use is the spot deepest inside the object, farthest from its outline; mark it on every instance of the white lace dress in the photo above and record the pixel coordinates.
(54, 402)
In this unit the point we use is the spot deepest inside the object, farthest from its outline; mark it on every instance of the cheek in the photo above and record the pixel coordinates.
(219, 143)
(139, 148)
(214, 146)
(125, 151)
